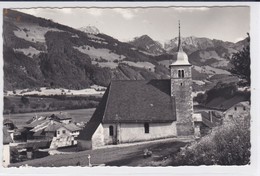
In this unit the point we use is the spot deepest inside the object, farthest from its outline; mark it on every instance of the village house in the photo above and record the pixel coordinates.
(6, 147)
(10, 127)
(61, 117)
(65, 136)
(204, 121)
(237, 112)
(68, 129)
(143, 110)
(41, 133)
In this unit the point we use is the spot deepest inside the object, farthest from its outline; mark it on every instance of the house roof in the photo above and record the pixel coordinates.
(6, 136)
(223, 104)
(37, 122)
(133, 102)
(38, 133)
(71, 127)
(60, 116)
(52, 127)
(241, 104)
(96, 119)
(8, 121)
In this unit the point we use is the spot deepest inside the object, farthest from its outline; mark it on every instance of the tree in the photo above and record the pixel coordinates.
(201, 98)
(240, 62)
(25, 100)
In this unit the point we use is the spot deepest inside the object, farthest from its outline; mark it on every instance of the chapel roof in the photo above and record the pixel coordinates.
(133, 101)
(139, 101)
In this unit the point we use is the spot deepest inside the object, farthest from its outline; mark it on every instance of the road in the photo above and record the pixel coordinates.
(113, 156)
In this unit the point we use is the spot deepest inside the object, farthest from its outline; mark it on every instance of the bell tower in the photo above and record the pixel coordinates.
(181, 91)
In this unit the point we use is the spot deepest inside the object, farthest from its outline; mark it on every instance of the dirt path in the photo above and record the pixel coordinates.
(114, 156)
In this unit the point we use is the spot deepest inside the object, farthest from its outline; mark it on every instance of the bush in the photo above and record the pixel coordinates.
(228, 144)
(25, 100)
(200, 98)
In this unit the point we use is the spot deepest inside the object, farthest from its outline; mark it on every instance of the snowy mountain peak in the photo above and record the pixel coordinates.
(89, 30)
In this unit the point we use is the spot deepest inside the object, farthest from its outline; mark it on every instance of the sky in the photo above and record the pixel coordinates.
(161, 24)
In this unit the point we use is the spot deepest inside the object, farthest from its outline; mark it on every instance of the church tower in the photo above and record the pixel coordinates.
(181, 91)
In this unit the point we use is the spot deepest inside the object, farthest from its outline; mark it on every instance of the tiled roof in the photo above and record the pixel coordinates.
(223, 104)
(60, 116)
(7, 121)
(39, 133)
(52, 127)
(96, 119)
(139, 101)
(72, 127)
(133, 102)
(37, 122)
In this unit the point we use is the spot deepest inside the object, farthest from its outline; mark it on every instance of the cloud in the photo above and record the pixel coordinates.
(191, 9)
(126, 13)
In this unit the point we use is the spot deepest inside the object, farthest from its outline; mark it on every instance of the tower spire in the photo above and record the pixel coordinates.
(179, 42)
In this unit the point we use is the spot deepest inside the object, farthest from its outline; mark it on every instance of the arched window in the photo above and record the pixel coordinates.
(111, 130)
(179, 73)
(146, 128)
(182, 73)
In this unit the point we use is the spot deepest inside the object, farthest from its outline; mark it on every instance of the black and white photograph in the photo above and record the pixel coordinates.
(126, 86)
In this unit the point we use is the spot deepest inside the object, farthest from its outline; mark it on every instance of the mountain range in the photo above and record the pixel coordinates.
(41, 53)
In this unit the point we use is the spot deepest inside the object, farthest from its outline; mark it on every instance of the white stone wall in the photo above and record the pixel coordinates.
(98, 137)
(235, 115)
(60, 132)
(134, 132)
(6, 155)
(63, 141)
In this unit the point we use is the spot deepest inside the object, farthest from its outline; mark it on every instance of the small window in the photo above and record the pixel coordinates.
(230, 116)
(63, 131)
(111, 130)
(58, 132)
(181, 84)
(179, 73)
(146, 128)
(244, 108)
(182, 73)
(235, 108)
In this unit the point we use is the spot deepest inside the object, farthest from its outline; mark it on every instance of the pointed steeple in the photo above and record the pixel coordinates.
(182, 57)
(179, 41)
